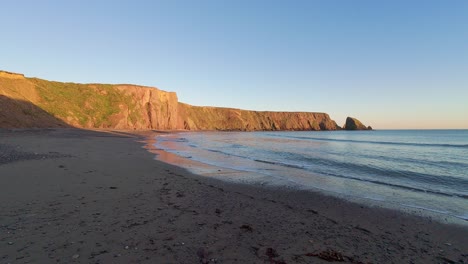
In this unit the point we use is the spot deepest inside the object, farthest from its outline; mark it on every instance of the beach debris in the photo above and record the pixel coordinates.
(447, 244)
(246, 228)
(447, 260)
(271, 253)
(328, 255)
(95, 254)
(75, 256)
(203, 254)
(363, 229)
(255, 249)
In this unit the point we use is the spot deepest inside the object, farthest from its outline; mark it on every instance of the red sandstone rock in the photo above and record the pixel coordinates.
(31, 102)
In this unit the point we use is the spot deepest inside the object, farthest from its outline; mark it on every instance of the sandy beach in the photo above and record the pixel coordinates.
(77, 196)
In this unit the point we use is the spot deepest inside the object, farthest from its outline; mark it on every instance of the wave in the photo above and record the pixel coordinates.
(304, 163)
(327, 165)
(431, 178)
(375, 142)
(411, 188)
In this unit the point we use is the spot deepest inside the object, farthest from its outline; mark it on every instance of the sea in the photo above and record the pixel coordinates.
(423, 171)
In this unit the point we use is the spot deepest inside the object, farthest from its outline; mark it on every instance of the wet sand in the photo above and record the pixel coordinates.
(75, 196)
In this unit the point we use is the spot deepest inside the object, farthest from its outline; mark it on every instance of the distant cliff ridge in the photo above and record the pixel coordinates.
(217, 118)
(32, 102)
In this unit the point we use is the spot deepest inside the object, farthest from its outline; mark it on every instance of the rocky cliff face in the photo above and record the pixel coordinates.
(217, 118)
(354, 124)
(150, 108)
(32, 102)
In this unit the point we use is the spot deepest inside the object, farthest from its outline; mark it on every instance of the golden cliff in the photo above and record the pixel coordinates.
(32, 102)
(218, 118)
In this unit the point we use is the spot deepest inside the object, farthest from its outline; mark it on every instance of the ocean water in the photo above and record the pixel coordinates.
(418, 169)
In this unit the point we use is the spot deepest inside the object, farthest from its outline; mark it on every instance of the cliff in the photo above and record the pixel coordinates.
(11, 75)
(354, 124)
(217, 118)
(89, 105)
(32, 102)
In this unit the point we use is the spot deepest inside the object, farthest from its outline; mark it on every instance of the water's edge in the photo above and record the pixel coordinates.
(234, 173)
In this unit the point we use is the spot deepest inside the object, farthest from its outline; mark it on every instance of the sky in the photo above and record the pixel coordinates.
(391, 64)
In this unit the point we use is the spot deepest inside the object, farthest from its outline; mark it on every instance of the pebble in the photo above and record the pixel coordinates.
(127, 247)
(448, 244)
(76, 256)
(10, 243)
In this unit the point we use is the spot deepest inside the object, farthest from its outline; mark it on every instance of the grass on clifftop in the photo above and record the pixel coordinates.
(83, 103)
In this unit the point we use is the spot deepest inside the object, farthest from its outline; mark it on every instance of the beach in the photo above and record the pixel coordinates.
(80, 196)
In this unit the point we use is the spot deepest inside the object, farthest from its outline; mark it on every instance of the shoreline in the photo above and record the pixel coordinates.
(94, 196)
(244, 177)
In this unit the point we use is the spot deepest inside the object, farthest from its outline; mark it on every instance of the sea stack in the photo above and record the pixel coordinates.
(354, 124)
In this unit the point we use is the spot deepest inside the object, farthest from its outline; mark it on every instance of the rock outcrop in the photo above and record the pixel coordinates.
(32, 102)
(11, 75)
(354, 124)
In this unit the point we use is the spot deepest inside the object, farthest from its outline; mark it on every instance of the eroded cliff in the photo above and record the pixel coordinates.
(32, 102)
(217, 118)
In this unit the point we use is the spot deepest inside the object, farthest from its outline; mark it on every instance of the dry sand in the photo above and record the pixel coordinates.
(74, 196)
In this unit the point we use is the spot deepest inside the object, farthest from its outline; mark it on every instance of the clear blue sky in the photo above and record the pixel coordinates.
(392, 64)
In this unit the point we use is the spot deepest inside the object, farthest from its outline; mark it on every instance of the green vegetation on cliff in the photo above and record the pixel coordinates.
(91, 104)
(34, 102)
